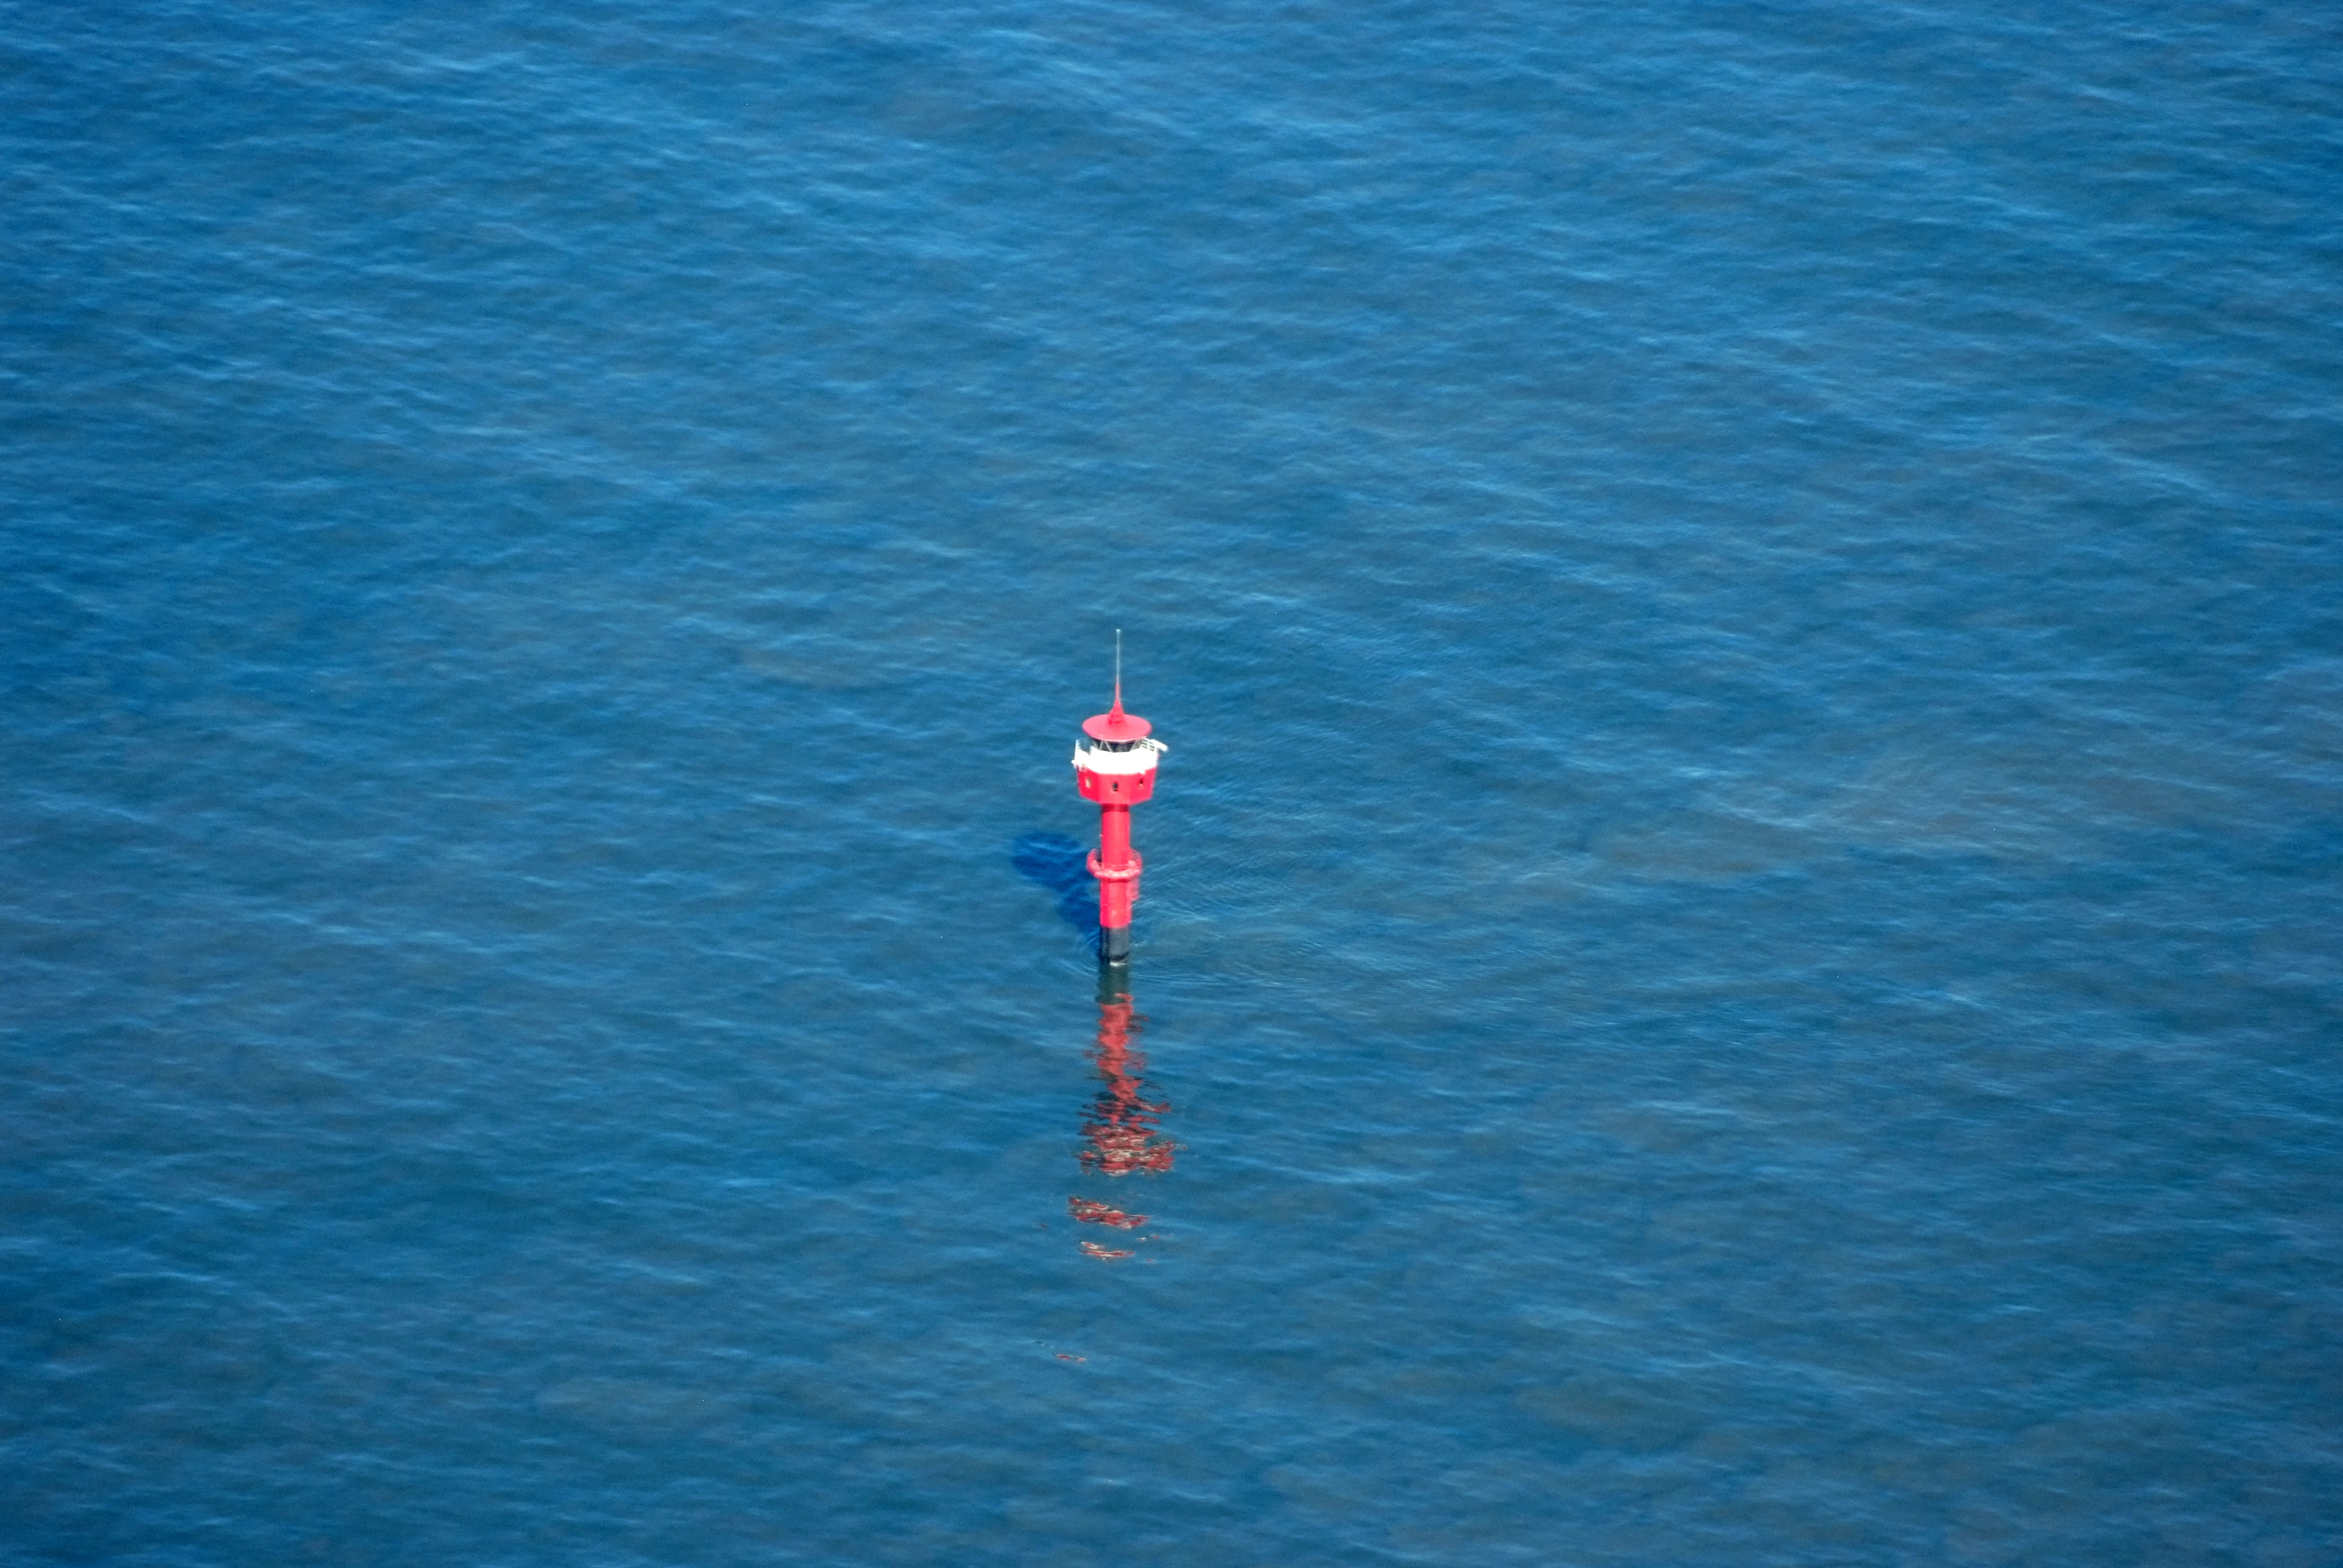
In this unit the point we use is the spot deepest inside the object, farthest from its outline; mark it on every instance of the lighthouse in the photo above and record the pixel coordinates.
(1114, 765)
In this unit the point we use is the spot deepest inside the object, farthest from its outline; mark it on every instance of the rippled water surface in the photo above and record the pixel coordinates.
(1739, 961)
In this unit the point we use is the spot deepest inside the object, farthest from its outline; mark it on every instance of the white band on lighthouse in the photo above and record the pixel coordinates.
(1139, 759)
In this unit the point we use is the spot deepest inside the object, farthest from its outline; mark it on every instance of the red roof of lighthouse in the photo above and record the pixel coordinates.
(1114, 724)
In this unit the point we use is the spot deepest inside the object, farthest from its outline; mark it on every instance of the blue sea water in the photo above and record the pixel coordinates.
(1739, 961)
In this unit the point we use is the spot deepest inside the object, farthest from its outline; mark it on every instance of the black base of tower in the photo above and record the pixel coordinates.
(1114, 944)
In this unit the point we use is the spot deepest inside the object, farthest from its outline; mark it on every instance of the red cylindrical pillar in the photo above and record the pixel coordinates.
(1116, 895)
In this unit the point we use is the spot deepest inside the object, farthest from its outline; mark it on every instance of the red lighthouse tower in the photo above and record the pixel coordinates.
(1114, 765)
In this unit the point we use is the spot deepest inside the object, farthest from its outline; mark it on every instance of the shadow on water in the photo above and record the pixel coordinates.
(1058, 863)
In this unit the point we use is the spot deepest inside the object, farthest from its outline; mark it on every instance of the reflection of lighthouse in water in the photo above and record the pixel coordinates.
(1123, 1129)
